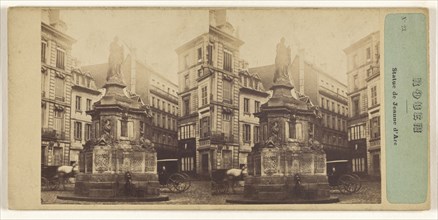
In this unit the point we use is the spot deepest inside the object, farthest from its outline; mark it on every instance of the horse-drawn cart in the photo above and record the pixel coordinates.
(340, 177)
(49, 178)
(169, 176)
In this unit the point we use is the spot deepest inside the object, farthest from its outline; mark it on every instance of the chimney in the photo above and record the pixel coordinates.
(133, 68)
(301, 54)
(220, 17)
(55, 20)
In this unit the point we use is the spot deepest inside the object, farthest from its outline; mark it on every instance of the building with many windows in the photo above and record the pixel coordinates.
(152, 88)
(252, 95)
(363, 73)
(324, 91)
(209, 86)
(84, 94)
(56, 83)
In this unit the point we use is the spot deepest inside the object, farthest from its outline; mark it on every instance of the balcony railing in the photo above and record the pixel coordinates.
(51, 133)
(59, 98)
(164, 93)
(222, 137)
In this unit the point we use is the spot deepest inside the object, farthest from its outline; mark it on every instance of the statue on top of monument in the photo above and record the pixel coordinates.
(115, 61)
(282, 61)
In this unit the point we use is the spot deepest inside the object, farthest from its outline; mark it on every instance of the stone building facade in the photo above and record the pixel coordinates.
(252, 96)
(83, 96)
(56, 83)
(364, 100)
(208, 126)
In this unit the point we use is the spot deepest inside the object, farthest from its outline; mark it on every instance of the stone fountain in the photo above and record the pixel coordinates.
(120, 162)
(289, 165)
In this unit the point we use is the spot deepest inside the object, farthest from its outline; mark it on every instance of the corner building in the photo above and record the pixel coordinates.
(56, 86)
(363, 71)
(208, 126)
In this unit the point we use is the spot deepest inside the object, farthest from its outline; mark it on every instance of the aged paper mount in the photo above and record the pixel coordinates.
(358, 129)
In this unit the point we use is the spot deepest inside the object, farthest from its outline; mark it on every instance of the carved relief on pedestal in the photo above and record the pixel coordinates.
(101, 161)
(306, 163)
(137, 162)
(270, 163)
(150, 162)
(320, 165)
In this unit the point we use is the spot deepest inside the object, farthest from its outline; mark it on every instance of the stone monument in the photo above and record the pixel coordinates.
(289, 165)
(119, 163)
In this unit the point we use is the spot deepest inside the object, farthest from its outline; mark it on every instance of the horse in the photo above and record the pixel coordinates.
(234, 175)
(66, 172)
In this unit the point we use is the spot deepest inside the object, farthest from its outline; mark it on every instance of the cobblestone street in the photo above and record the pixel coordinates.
(200, 193)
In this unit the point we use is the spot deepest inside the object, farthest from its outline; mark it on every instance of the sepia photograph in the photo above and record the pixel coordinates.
(210, 106)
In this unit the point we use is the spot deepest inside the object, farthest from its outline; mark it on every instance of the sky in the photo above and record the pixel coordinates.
(156, 33)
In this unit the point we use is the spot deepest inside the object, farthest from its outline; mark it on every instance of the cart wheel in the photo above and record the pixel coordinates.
(177, 183)
(223, 188)
(348, 184)
(359, 182)
(54, 184)
(44, 184)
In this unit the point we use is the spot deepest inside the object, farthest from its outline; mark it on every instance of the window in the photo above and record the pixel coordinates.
(87, 132)
(60, 58)
(356, 106)
(169, 123)
(43, 84)
(186, 81)
(292, 132)
(256, 134)
(228, 61)
(78, 130)
(227, 87)
(373, 95)
(186, 61)
(333, 107)
(226, 124)
(186, 105)
(323, 119)
(158, 103)
(343, 110)
(329, 122)
(43, 51)
(247, 133)
(124, 128)
(339, 125)
(334, 122)
(59, 121)
(210, 54)
(328, 105)
(205, 127)
(339, 109)
(164, 122)
(246, 105)
(354, 60)
(199, 54)
(153, 101)
(89, 104)
(355, 82)
(78, 103)
(256, 106)
(375, 127)
(322, 103)
(164, 105)
(368, 54)
(59, 89)
(204, 95)
(43, 115)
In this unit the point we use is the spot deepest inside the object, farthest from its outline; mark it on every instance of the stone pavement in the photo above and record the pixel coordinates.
(200, 193)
